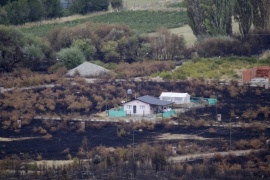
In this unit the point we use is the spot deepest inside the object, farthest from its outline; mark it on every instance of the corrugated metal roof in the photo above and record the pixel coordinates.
(153, 100)
(173, 94)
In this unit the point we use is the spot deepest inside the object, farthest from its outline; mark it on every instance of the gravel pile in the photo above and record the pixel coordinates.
(87, 69)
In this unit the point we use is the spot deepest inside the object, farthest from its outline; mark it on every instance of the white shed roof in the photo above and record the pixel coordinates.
(173, 94)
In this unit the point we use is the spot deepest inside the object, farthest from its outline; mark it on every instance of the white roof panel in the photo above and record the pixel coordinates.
(173, 94)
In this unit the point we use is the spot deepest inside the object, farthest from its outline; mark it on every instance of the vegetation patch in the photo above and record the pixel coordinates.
(213, 68)
(139, 21)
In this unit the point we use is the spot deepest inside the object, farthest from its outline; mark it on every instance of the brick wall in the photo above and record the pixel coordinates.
(263, 71)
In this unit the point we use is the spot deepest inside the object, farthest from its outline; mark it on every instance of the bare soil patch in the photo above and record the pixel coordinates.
(169, 136)
(5, 139)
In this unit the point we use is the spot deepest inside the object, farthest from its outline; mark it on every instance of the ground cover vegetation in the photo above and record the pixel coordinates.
(213, 68)
(142, 21)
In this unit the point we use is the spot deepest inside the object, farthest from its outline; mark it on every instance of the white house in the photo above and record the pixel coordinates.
(145, 105)
(177, 98)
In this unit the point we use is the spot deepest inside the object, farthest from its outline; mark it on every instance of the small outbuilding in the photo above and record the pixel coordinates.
(174, 97)
(146, 105)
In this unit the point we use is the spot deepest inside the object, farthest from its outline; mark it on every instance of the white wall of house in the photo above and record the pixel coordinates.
(137, 107)
(177, 98)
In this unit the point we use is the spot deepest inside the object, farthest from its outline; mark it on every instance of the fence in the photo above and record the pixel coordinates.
(168, 114)
(200, 100)
(117, 112)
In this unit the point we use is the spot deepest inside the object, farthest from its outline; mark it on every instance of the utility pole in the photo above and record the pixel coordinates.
(230, 133)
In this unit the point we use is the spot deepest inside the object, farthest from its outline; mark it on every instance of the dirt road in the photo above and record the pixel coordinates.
(189, 157)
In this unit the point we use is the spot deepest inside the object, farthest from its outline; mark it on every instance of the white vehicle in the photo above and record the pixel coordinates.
(258, 82)
(166, 109)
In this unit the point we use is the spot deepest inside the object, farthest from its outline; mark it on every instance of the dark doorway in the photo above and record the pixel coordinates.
(134, 109)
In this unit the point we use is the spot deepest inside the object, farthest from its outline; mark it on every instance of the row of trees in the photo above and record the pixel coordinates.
(22, 11)
(115, 44)
(72, 46)
(213, 17)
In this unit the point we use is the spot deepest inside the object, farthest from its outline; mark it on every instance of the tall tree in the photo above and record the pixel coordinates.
(210, 17)
(17, 11)
(52, 8)
(117, 4)
(195, 17)
(243, 15)
(261, 13)
(3, 16)
(36, 10)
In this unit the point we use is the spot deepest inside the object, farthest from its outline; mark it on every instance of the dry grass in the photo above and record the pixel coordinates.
(60, 20)
(4, 139)
(169, 136)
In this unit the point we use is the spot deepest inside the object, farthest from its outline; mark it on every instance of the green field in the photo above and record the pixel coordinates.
(139, 21)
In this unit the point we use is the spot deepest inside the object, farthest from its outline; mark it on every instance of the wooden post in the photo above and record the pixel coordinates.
(19, 122)
(83, 125)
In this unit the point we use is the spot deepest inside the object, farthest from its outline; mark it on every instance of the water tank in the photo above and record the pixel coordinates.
(129, 91)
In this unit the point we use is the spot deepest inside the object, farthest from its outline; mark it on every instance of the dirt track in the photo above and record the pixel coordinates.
(188, 157)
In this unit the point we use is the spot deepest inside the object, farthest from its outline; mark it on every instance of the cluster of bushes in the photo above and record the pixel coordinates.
(113, 44)
(142, 69)
(255, 42)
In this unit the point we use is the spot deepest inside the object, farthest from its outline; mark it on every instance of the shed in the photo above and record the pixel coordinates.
(177, 98)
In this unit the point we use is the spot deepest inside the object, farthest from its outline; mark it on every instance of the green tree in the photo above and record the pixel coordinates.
(12, 43)
(37, 53)
(71, 57)
(261, 13)
(36, 10)
(4, 2)
(3, 16)
(210, 17)
(110, 51)
(243, 15)
(86, 46)
(18, 11)
(117, 4)
(86, 6)
(52, 8)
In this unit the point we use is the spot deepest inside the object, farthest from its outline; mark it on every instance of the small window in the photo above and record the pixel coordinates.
(129, 106)
(142, 106)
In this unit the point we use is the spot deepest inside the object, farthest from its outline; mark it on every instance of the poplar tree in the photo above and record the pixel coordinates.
(243, 15)
(210, 17)
(261, 13)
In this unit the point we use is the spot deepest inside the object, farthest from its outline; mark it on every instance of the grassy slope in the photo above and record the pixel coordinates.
(142, 21)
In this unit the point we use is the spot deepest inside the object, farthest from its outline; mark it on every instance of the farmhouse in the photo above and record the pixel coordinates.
(177, 98)
(87, 69)
(146, 105)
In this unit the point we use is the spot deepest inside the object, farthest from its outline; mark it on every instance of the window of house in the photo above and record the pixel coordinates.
(129, 106)
(142, 106)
